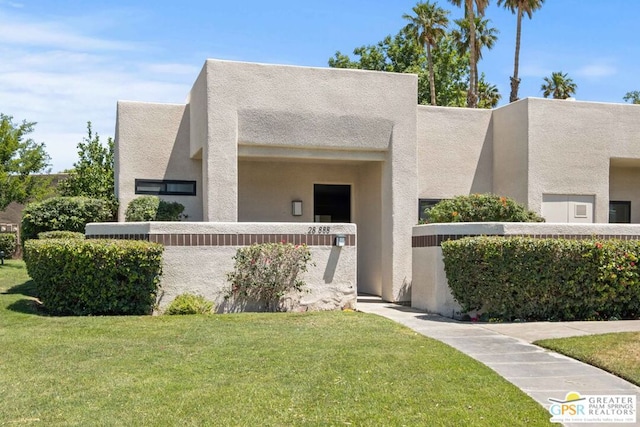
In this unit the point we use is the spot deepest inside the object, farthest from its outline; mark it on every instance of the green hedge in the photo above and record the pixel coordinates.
(512, 278)
(480, 208)
(60, 235)
(152, 208)
(8, 244)
(95, 277)
(63, 213)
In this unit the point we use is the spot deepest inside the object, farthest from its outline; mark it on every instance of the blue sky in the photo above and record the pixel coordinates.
(65, 62)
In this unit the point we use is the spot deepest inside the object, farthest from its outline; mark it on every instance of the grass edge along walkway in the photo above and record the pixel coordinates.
(617, 353)
(325, 368)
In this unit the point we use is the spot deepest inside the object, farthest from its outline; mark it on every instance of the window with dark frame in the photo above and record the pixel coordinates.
(423, 206)
(166, 187)
(619, 212)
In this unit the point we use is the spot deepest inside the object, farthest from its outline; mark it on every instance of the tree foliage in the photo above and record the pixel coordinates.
(404, 53)
(20, 159)
(633, 97)
(93, 174)
(428, 24)
(472, 9)
(519, 8)
(558, 86)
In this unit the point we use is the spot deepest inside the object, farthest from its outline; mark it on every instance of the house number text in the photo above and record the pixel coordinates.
(319, 230)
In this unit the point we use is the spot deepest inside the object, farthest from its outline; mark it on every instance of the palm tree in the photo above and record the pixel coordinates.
(559, 85)
(488, 95)
(470, 14)
(427, 24)
(485, 37)
(519, 7)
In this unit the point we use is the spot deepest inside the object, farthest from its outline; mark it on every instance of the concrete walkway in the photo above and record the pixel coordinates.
(507, 349)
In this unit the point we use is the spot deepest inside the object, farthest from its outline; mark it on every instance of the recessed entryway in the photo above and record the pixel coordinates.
(331, 203)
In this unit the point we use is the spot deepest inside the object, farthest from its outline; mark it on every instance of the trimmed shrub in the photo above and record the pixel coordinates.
(266, 272)
(60, 235)
(522, 278)
(95, 277)
(8, 244)
(152, 208)
(480, 208)
(63, 213)
(189, 304)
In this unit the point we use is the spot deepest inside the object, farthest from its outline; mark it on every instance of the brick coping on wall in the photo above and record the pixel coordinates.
(436, 239)
(226, 239)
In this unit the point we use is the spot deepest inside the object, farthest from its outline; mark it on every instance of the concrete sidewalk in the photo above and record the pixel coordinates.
(507, 349)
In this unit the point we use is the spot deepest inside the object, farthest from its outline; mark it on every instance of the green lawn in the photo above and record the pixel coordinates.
(616, 353)
(329, 368)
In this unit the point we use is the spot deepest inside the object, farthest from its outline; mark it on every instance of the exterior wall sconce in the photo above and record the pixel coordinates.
(340, 240)
(296, 208)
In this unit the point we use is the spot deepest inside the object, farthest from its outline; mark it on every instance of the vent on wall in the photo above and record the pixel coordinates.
(580, 211)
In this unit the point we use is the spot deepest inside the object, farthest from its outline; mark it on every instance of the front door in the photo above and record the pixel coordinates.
(331, 203)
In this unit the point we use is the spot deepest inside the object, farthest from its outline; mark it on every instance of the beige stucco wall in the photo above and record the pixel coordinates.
(568, 151)
(306, 111)
(623, 183)
(511, 151)
(454, 151)
(266, 189)
(331, 280)
(152, 142)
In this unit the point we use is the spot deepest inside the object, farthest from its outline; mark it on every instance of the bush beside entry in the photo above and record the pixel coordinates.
(152, 208)
(63, 213)
(480, 208)
(7, 244)
(523, 278)
(60, 235)
(95, 277)
(266, 272)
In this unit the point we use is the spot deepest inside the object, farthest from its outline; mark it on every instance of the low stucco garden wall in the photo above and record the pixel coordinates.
(198, 256)
(430, 291)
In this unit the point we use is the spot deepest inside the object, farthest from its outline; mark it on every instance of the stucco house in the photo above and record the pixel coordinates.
(271, 143)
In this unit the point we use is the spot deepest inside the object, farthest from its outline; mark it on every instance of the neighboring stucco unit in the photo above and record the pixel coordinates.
(623, 186)
(152, 142)
(568, 152)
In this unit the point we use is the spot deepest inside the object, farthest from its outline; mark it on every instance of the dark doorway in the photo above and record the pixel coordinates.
(331, 203)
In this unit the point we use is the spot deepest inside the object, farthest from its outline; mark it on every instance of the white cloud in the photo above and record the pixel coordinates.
(13, 4)
(55, 35)
(596, 71)
(62, 77)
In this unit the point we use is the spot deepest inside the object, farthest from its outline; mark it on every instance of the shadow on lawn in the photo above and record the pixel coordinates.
(29, 305)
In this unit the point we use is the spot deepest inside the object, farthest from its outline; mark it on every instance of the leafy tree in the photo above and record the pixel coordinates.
(428, 24)
(486, 36)
(93, 174)
(20, 158)
(633, 97)
(559, 85)
(519, 7)
(470, 13)
(402, 54)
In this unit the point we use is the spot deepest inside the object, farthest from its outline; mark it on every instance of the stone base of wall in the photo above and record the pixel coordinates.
(198, 256)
